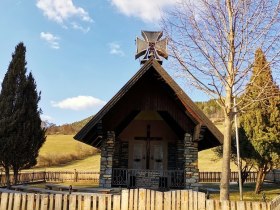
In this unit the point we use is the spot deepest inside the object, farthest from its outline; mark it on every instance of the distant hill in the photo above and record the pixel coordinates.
(66, 129)
(210, 108)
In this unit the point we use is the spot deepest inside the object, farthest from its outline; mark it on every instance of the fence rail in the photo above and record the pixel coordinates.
(93, 176)
(136, 199)
(52, 176)
(216, 177)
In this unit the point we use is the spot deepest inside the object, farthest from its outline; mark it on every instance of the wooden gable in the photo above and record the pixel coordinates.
(152, 89)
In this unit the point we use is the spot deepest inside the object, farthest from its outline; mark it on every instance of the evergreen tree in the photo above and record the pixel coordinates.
(262, 122)
(10, 108)
(30, 134)
(19, 116)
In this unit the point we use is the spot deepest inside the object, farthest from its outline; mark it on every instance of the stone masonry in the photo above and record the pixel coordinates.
(106, 162)
(191, 162)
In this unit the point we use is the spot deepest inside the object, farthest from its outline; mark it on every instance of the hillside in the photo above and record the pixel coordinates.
(210, 108)
(59, 150)
(66, 129)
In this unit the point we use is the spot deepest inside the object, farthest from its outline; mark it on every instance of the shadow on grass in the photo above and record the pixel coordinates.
(270, 191)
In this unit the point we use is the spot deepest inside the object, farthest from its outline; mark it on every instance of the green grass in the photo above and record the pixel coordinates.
(61, 144)
(207, 162)
(270, 190)
(91, 163)
(57, 146)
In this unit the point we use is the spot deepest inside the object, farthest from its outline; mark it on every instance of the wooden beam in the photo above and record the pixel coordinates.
(196, 132)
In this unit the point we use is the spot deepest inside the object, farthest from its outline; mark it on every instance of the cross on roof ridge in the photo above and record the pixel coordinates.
(151, 46)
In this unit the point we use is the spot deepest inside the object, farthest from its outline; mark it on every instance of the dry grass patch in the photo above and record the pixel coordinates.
(62, 149)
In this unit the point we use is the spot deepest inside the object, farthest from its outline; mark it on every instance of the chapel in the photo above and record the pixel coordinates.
(150, 132)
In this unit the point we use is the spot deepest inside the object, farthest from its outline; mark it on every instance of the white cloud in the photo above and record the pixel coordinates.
(115, 49)
(47, 118)
(147, 10)
(76, 26)
(61, 11)
(51, 39)
(79, 103)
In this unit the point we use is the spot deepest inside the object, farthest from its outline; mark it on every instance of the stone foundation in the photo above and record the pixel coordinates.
(187, 156)
(106, 161)
(191, 162)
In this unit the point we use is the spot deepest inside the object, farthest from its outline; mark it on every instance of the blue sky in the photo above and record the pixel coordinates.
(81, 52)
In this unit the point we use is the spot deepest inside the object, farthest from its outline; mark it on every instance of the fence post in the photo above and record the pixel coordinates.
(45, 173)
(1, 177)
(75, 175)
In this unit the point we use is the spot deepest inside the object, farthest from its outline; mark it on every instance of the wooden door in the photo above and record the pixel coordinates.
(138, 155)
(157, 156)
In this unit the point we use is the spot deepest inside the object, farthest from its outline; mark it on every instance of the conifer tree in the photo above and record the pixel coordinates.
(19, 117)
(261, 122)
(30, 134)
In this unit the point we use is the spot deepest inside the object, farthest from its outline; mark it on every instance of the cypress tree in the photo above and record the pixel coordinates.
(30, 134)
(261, 122)
(19, 116)
(10, 108)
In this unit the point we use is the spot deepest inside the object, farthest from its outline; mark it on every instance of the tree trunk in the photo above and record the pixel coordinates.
(7, 174)
(224, 187)
(245, 173)
(260, 179)
(228, 110)
(15, 176)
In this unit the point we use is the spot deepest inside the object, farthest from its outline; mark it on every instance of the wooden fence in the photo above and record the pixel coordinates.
(273, 176)
(74, 176)
(93, 176)
(137, 199)
(275, 203)
(24, 177)
(53, 176)
(216, 177)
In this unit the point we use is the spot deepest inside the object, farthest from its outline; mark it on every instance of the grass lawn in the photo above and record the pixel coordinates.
(62, 145)
(88, 164)
(206, 162)
(270, 190)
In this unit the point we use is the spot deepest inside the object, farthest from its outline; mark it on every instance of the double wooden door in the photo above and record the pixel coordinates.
(147, 157)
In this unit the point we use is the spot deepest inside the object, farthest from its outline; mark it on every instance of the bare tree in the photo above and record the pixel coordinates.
(213, 42)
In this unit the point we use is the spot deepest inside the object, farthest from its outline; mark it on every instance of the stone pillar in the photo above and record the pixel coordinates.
(106, 161)
(191, 162)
